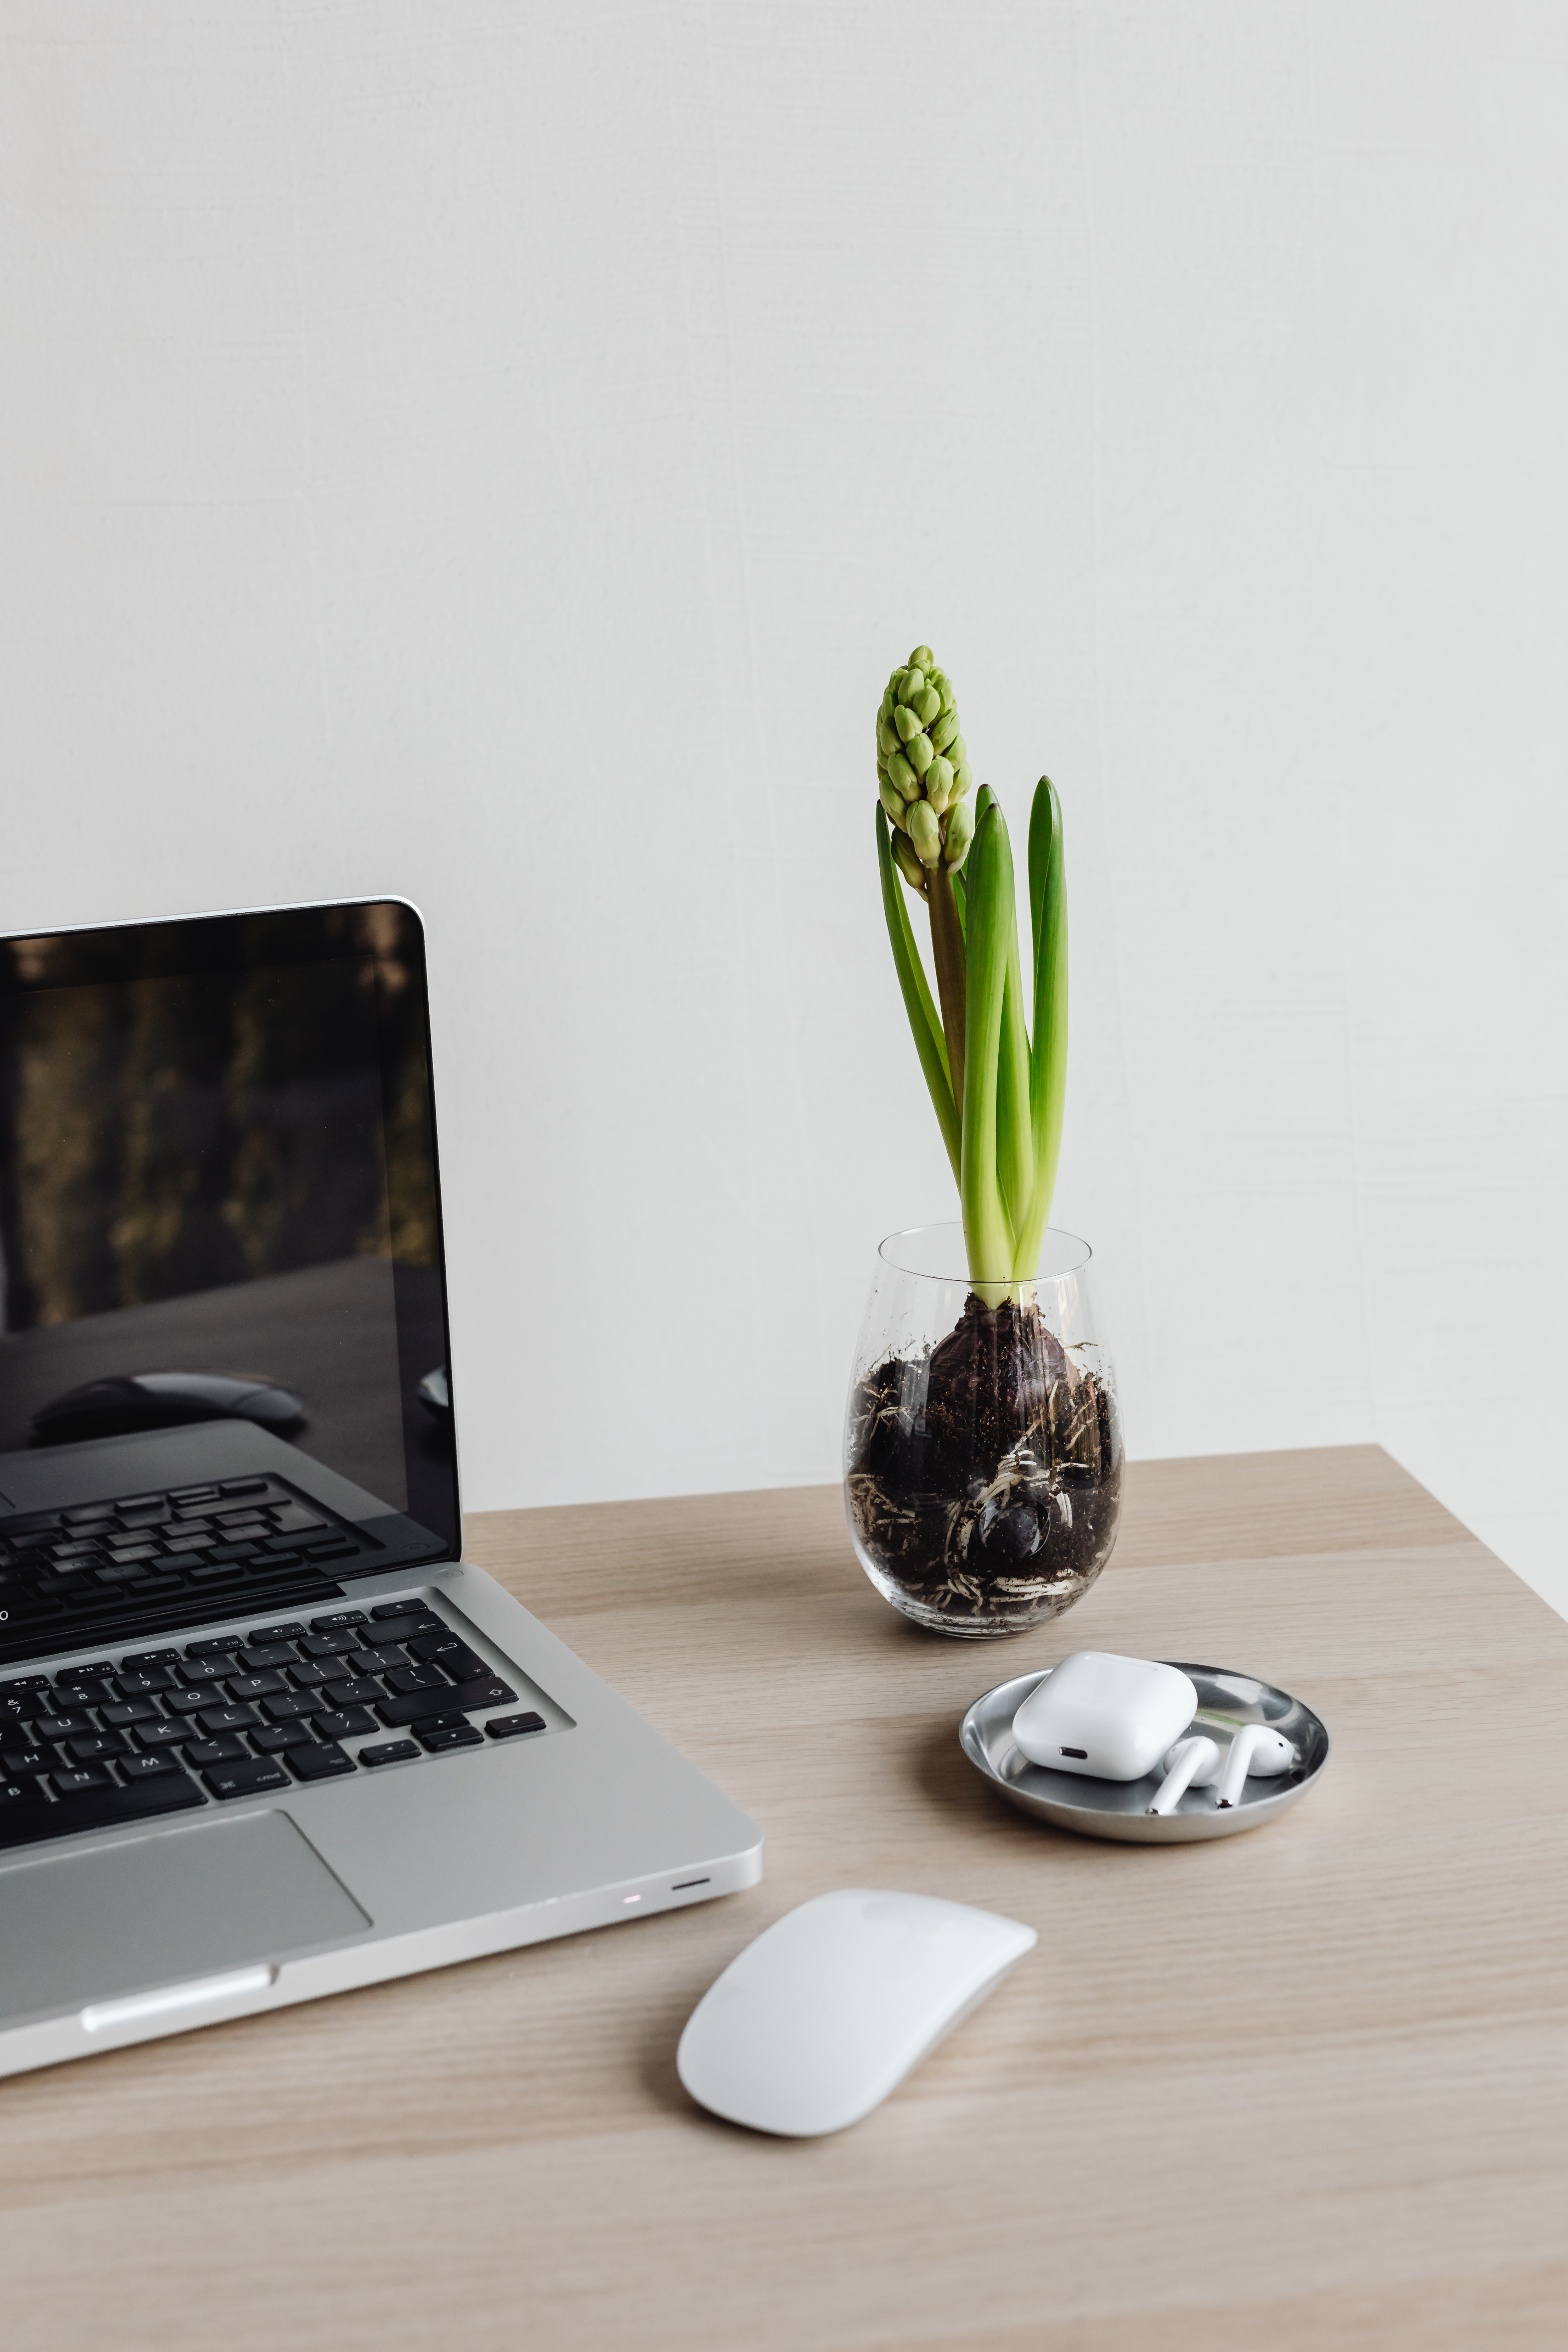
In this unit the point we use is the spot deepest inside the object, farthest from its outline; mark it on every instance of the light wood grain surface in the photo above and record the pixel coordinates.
(1309, 2084)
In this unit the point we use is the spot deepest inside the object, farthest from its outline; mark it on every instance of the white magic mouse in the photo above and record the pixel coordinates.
(810, 2027)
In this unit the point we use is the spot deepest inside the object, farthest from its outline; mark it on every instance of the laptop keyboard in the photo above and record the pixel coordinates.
(242, 1714)
(103, 1562)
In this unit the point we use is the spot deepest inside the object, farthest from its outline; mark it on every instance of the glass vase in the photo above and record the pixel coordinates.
(982, 1443)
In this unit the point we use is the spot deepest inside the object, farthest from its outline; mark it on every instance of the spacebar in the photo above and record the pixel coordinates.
(25, 1822)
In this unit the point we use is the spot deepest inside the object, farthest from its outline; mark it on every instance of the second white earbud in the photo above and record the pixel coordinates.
(1253, 1751)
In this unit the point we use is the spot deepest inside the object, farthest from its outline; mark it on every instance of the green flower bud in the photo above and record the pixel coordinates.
(888, 738)
(929, 706)
(938, 783)
(922, 658)
(907, 864)
(957, 751)
(919, 754)
(920, 820)
(906, 724)
(903, 776)
(960, 832)
(962, 777)
(911, 684)
(945, 730)
(890, 801)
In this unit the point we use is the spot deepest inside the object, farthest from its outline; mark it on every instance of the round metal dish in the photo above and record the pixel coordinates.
(1118, 1809)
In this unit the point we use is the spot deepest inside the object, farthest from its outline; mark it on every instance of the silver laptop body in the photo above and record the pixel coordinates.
(263, 1734)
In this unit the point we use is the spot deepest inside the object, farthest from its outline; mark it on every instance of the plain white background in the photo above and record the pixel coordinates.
(496, 452)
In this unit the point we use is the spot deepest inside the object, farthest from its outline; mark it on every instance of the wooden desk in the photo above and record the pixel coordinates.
(1300, 2088)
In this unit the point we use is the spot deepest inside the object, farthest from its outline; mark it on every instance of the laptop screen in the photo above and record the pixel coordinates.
(219, 1195)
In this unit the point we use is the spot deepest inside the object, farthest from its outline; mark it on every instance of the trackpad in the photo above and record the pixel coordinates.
(181, 1903)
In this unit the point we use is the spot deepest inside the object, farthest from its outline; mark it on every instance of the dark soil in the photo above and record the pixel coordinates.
(985, 1475)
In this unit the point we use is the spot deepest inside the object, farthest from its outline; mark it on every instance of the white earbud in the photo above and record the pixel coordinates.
(1255, 1751)
(1190, 1764)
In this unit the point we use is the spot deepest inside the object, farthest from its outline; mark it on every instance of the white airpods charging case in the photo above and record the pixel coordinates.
(1112, 1718)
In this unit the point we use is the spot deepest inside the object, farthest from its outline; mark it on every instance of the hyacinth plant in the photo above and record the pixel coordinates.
(996, 1085)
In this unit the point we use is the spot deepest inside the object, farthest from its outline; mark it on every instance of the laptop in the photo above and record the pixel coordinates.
(263, 1734)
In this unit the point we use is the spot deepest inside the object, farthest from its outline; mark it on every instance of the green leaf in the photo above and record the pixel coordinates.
(991, 927)
(1015, 1141)
(1048, 1056)
(926, 1029)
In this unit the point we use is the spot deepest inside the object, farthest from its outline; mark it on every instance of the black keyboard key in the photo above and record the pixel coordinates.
(28, 1522)
(314, 1674)
(376, 1662)
(24, 1763)
(14, 1796)
(144, 1681)
(91, 1776)
(273, 1738)
(511, 1726)
(129, 1710)
(260, 1655)
(193, 1495)
(330, 1645)
(448, 1720)
(88, 1514)
(334, 1548)
(345, 1723)
(192, 1702)
(60, 1726)
(243, 1487)
(153, 1738)
(383, 1610)
(486, 1690)
(293, 1632)
(85, 1674)
(145, 1768)
(417, 1679)
(280, 1551)
(289, 1705)
(337, 1620)
(253, 1777)
(327, 1762)
(205, 1572)
(437, 1743)
(201, 1672)
(214, 1645)
(224, 1750)
(390, 1751)
(441, 1649)
(360, 1690)
(129, 1556)
(256, 1686)
(95, 1746)
(296, 1519)
(19, 1682)
(230, 1555)
(149, 1659)
(402, 1629)
(214, 1719)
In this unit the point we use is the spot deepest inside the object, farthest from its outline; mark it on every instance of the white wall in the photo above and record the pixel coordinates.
(496, 452)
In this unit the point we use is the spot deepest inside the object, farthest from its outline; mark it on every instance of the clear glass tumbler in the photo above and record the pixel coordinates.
(982, 1443)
